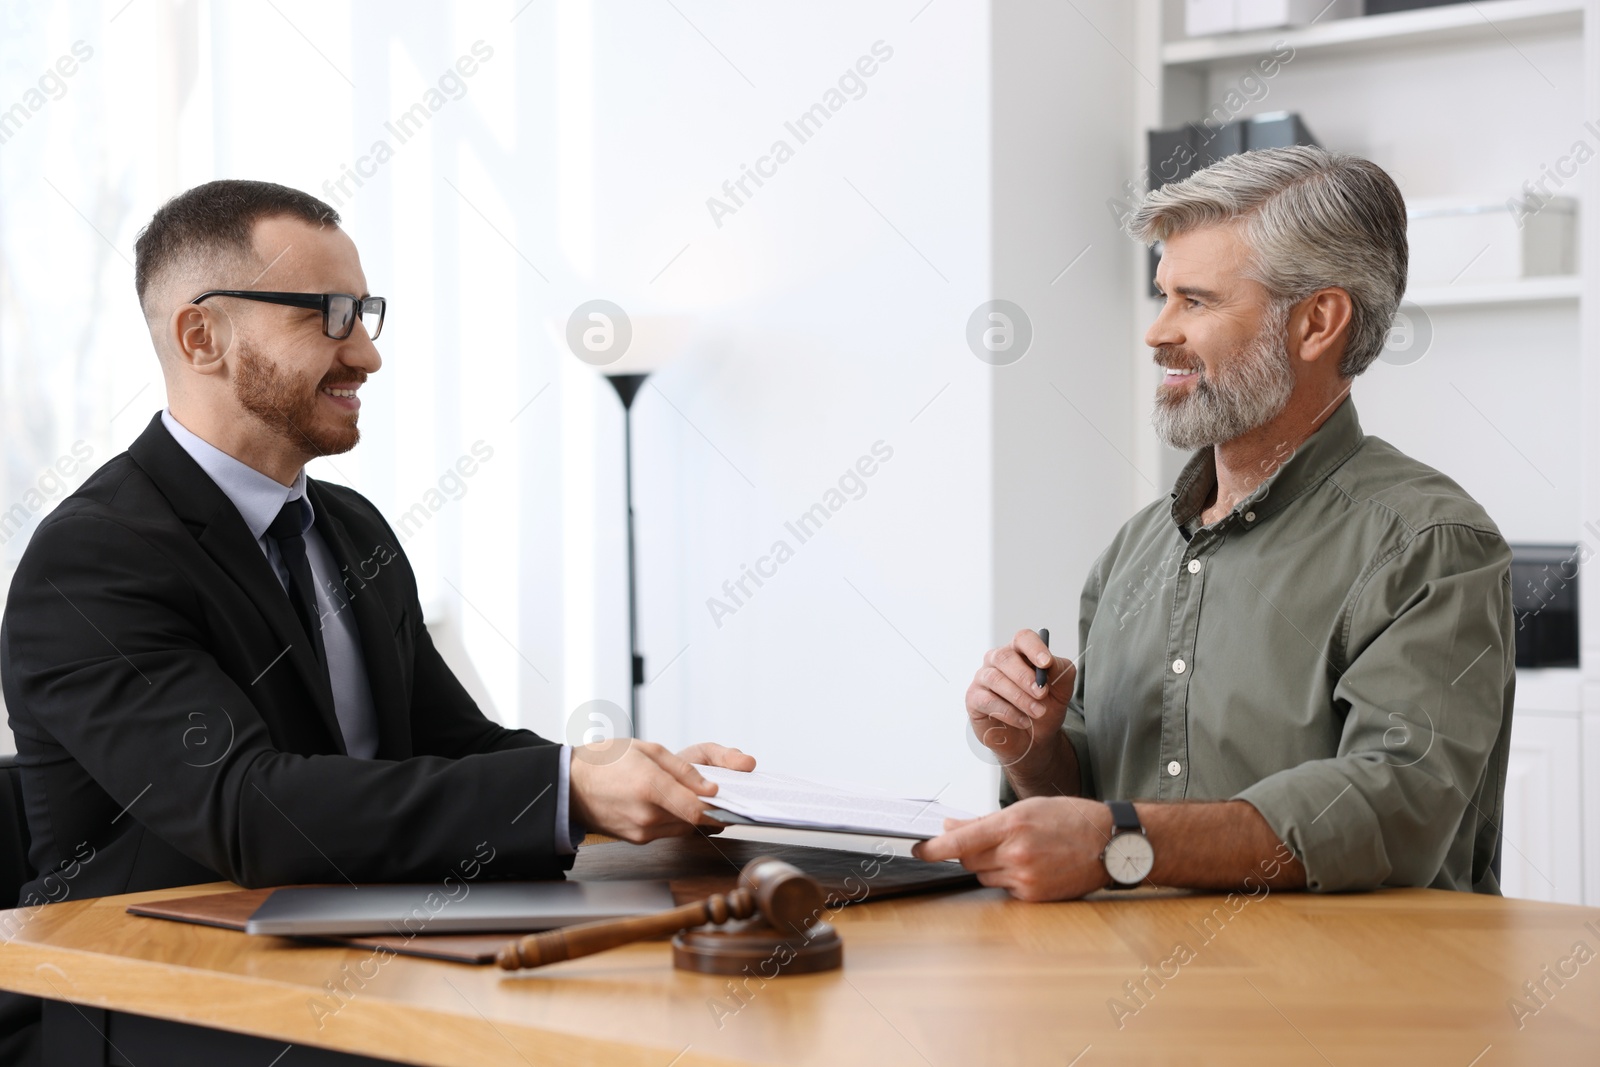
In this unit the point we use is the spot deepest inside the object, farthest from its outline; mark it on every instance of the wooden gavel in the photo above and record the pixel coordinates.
(786, 897)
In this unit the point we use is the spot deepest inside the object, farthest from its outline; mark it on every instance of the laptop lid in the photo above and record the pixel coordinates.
(407, 910)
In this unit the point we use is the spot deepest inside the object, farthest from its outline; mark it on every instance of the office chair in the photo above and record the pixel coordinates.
(19, 1033)
(14, 839)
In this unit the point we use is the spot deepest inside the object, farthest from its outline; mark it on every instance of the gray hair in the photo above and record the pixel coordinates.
(1312, 219)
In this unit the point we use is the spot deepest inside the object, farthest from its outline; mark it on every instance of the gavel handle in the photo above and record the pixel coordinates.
(571, 942)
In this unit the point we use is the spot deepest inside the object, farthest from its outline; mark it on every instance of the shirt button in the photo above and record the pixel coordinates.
(1249, 516)
(1178, 666)
(1194, 566)
(1174, 768)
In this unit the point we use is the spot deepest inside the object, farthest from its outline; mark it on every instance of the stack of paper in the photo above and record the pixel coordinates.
(781, 800)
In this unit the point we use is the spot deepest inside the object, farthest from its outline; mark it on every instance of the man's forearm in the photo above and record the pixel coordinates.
(1217, 845)
(1052, 773)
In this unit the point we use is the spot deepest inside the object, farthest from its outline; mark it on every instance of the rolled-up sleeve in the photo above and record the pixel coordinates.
(1425, 697)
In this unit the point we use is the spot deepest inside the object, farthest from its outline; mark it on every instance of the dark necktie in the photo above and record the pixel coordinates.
(288, 530)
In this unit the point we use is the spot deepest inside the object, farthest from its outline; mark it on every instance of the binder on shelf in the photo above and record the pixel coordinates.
(1177, 153)
(1386, 7)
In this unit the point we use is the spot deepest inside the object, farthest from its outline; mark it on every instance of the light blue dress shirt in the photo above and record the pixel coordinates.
(258, 499)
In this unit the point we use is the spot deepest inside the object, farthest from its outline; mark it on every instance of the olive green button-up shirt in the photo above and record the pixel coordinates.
(1337, 651)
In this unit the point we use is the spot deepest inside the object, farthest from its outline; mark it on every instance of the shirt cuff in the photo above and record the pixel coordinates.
(568, 832)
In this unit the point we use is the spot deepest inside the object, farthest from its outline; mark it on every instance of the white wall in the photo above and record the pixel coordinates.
(1065, 466)
(823, 330)
(990, 144)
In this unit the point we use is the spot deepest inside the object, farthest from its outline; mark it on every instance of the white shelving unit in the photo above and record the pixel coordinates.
(1552, 690)
(1452, 24)
(1558, 289)
(1470, 100)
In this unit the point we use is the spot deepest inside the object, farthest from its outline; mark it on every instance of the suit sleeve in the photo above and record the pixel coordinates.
(1425, 697)
(107, 647)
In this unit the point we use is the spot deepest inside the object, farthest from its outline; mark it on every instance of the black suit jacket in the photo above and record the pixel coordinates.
(174, 727)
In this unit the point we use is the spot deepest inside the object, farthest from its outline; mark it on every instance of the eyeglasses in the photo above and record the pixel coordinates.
(339, 310)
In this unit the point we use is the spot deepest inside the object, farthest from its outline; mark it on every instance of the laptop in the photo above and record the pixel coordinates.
(487, 907)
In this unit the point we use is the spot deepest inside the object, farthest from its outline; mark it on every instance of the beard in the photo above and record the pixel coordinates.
(1251, 387)
(289, 406)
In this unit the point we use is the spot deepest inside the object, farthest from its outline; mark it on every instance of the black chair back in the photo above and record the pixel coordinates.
(14, 839)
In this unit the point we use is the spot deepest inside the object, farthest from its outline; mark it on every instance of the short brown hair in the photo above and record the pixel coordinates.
(216, 219)
(1312, 219)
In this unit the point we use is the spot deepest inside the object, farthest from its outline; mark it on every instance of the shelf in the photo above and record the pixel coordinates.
(1485, 20)
(1549, 691)
(1549, 290)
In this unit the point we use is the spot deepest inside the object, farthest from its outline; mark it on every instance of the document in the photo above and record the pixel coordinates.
(763, 799)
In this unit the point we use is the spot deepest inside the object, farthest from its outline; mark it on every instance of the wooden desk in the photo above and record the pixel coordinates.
(1402, 976)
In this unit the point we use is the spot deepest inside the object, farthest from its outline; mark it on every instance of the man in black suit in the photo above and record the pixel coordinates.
(217, 668)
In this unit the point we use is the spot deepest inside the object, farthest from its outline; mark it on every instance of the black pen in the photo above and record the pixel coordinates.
(1041, 675)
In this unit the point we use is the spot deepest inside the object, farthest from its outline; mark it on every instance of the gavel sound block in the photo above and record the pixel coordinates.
(781, 931)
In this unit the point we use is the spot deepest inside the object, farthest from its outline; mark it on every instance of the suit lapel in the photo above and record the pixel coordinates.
(221, 532)
(378, 648)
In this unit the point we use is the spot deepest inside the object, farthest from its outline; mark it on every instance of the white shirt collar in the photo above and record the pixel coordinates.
(257, 497)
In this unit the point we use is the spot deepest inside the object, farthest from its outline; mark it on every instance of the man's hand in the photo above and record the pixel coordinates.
(638, 791)
(1014, 718)
(1043, 848)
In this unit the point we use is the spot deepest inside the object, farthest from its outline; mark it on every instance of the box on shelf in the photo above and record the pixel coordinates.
(1202, 18)
(1205, 17)
(1270, 14)
(1454, 241)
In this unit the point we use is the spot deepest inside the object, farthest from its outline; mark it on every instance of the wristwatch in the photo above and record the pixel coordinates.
(1128, 856)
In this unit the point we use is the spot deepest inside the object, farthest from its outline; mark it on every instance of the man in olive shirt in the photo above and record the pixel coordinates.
(1301, 663)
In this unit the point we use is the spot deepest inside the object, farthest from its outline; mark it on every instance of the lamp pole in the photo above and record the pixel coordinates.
(627, 387)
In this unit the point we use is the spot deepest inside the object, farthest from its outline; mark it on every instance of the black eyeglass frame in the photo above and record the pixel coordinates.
(312, 302)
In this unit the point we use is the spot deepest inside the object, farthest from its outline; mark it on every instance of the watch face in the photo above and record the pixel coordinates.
(1129, 858)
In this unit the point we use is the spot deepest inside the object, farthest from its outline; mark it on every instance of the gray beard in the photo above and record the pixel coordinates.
(1251, 389)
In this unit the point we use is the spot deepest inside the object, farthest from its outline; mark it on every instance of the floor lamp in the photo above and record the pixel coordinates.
(653, 342)
(627, 387)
